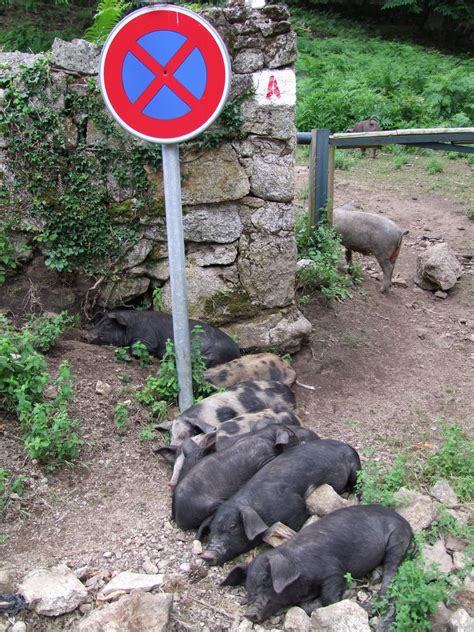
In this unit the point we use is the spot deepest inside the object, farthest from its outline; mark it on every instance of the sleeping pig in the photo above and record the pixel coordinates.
(313, 563)
(276, 493)
(256, 366)
(369, 234)
(246, 397)
(217, 477)
(122, 328)
(193, 449)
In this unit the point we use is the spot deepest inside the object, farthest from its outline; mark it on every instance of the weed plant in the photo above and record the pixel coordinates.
(7, 253)
(49, 434)
(454, 461)
(45, 329)
(434, 165)
(377, 482)
(162, 389)
(323, 247)
(8, 486)
(140, 351)
(121, 417)
(121, 354)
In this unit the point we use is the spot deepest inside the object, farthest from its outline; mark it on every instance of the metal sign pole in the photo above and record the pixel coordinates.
(174, 229)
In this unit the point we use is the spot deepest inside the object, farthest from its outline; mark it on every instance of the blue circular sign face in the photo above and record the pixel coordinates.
(137, 74)
(164, 73)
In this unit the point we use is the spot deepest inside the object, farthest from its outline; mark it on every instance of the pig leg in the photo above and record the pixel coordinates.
(349, 259)
(387, 269)
(332, 590)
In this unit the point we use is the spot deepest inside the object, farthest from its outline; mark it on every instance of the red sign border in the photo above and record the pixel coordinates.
(210, 44)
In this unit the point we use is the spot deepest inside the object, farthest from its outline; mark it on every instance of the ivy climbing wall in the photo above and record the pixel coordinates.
(81, 201)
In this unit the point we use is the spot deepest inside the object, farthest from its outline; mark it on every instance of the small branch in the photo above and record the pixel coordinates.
(208, 605)
(382, 317)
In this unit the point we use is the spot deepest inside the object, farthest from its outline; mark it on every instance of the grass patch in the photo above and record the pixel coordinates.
(344, 76)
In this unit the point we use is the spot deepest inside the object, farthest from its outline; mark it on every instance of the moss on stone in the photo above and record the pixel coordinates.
(225, 306)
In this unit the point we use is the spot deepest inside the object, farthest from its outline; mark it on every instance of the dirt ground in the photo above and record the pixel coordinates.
(386, 371)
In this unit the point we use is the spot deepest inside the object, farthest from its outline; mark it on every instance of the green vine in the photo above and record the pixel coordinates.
(67, 156)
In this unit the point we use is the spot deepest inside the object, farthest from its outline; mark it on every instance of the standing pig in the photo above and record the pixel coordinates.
(246, 397)
(368, 125)
(193, 449)
(220, 475)
(122, 328)
(369, 234)
(313, 563)
(276, 493)
(256, 366)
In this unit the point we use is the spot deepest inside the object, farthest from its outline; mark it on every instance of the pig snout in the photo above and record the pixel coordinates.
(211, 556)
(254, 614)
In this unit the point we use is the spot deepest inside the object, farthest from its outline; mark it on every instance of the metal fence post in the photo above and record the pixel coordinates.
(318, 175)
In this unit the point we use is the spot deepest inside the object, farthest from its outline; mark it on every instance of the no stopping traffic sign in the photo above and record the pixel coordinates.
(164, 73)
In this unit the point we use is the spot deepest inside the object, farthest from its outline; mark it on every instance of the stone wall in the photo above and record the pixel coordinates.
(237, 198)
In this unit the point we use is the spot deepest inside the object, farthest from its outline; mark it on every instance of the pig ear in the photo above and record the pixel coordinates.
(202, 425)
(209, 442)
(122, 319)
(283, 571)
(189, 447)
(164, 425)
(167, 452)
(253, 524)
(282, 436)
(97, 318)
(204, 528)
(236, 576)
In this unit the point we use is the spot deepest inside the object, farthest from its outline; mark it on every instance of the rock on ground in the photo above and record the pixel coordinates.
(418, 509)
(344, 616)
(53, 592)
(140, 611)
(437, 268)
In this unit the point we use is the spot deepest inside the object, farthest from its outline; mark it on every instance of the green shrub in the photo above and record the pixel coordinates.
(23, 371)
(9, 485)
(162, 389)
(44, 330)
(454, 461)
(140, 351)
(157, 300)
(50, 435)
(7, 253)
(470, 212)
(434, 165)
(323, 247)
(344, 160)
(344, 76)
(377, 483)
(121, 354)
(121, 417)
(416, 592)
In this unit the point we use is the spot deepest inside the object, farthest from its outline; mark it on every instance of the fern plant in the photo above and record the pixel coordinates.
(108, 14)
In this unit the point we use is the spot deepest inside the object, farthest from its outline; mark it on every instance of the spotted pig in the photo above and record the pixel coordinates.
(245, 397)
(257, 366)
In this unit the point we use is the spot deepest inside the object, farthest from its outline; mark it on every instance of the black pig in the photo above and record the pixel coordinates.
(192, 450)
(277, 493)
(122, 328)
(217, 477)
(313, 563)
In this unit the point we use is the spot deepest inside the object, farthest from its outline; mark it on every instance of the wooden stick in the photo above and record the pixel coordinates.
(211, 607)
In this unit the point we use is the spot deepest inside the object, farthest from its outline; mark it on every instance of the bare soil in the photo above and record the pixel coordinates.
(386, 370)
